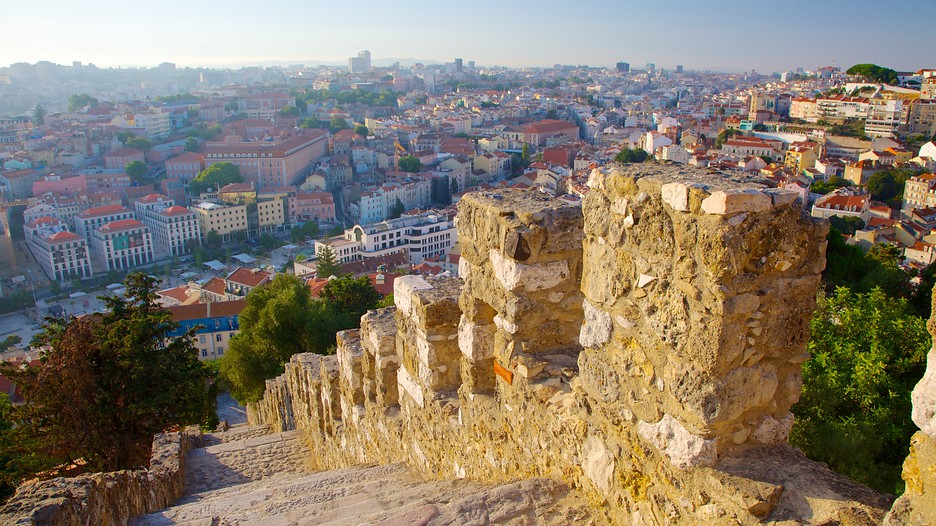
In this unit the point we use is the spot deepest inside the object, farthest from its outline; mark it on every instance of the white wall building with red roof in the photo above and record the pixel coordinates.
(93, 218)
(123, 244)
(62, 255)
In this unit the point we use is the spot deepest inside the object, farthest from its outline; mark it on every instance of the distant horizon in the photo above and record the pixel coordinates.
(407, 62)
(721, 36)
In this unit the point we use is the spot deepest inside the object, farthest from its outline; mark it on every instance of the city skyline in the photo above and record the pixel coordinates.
(714, 36)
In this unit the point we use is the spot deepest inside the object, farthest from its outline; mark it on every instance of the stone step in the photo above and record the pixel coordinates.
(387, 495)
(234, 433)
(246, 459)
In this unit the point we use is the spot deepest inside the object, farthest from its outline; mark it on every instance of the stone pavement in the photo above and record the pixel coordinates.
(246, 476)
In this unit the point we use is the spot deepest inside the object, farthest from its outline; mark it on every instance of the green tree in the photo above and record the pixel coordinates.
(191, 144)
(279, 320)
(631, 156)
(351, 296)
(361, 130)
(337, 124)
(724, 135)
(410, 164)
(453, 186)
(296, 235)
(848, 266)
(888, 185)
(213, 239)
(310, 229)
(216, 176)
(10, 341)
(847, 225)
(397, 210)
(38, 115)
(124, 136)
(136, 170)
(312, 122)
(76, 102)
(874, 73)
(139, 143)
(108, 383)
(289, 111)
(824, 187)
(268, 242)
(760, 127)
(326, 264)
(868, 351)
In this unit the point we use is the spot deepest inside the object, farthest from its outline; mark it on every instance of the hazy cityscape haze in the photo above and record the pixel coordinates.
(724, 35)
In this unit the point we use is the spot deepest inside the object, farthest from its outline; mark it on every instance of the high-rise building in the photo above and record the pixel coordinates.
(679, 68)
(458, 65)
(651, 67)
(361, 63)
(623, 67)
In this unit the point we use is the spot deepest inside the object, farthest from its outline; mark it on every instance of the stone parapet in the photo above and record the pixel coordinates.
(698, 295)
(917, 506)
(105, 498)
(644, 347)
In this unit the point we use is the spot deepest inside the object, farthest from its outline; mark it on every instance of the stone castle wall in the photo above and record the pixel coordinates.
(644, 347)
(105, 498)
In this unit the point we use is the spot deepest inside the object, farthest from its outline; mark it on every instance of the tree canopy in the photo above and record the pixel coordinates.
(282, 319)
(410, 164)
(136, 170)
(109, 382)
(216, 176)
(361, 130)
(326, 265)
(351, 296)
(824, 187)
(888, 185)
(874, 73)
(868, 351)
(631, 156)
(191, 144)
(76, 102)
(139, 143)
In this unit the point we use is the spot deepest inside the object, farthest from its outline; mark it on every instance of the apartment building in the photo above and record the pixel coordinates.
(93, 218)
(62, 255)
(311, 206)
(185, 167)
(122, 244)
(17, 184)
(215, 323)
(421, 236)
(223, 219)
(121, 157)
(272, 162)
(176, 229)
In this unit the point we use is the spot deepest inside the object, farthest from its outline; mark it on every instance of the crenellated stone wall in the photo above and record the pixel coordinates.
(917, 506)
(644, 347)
(105, 498)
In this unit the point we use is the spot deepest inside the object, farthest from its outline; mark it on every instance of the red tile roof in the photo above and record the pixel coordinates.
(61, 237)
(217, 309)
(249, 277)
(123, 224)
(215, 285)
(103, 211)
(176, 211)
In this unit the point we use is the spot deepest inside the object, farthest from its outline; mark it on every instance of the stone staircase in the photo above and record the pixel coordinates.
(248, 476)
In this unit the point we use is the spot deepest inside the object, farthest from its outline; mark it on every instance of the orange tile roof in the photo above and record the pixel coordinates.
(216, 309)
(248, 276)
(61, 237)
(123, 224)
(105, 210)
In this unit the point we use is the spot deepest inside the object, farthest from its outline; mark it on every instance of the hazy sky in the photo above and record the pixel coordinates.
(700, 34)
